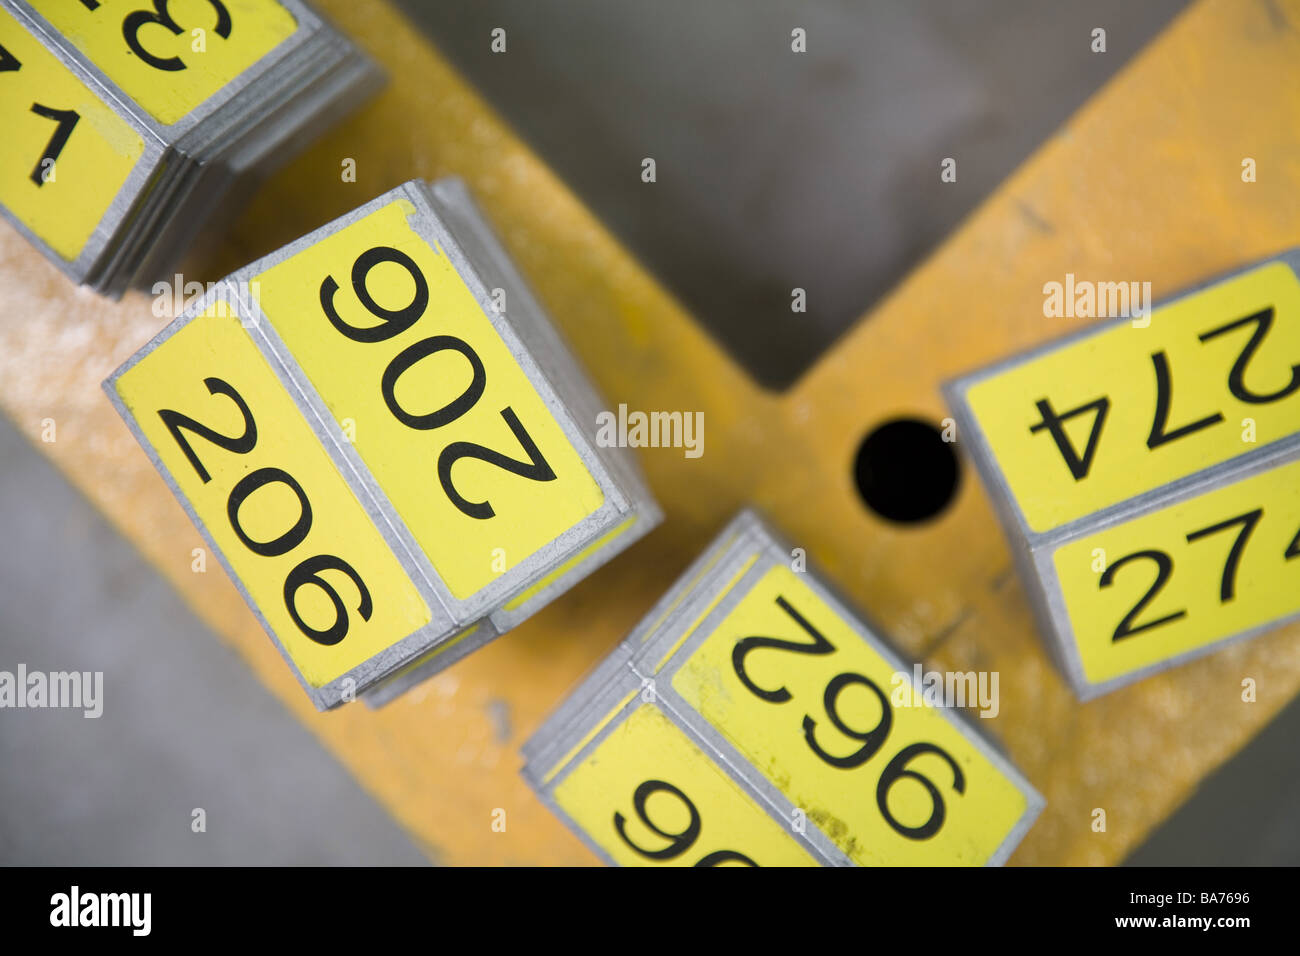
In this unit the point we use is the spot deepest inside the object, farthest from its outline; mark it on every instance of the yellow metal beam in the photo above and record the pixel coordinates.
(1143, 181)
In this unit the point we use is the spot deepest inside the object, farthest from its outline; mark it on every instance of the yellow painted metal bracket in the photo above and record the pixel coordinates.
(1144, 180)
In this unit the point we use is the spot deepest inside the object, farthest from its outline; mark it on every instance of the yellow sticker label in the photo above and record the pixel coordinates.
(252, 469)
(170, 56)
(649, 796)
(66, 154)
(443, 415)
(1185, 576)
(888, 777)
(1108, 417)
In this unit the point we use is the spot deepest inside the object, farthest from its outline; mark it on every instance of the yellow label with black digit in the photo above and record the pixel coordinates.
(443, 415)
(1104, 418)
(257, 476)
(647, 795)
(1184, 576)
(66, 154)
(171, 56)
(888, 777)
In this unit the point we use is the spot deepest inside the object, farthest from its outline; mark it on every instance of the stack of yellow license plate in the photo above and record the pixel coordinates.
(127, 121)
(753, 719)
(1147, 473)
(386, 442)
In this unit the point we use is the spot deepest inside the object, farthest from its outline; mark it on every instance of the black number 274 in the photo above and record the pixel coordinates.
(1162, 433)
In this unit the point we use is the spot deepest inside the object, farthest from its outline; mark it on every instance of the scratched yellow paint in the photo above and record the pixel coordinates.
(1233, 557)
(1086, 201)
(185, 51)
(1203, 342)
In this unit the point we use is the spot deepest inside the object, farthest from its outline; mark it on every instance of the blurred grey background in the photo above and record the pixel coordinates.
(185, 724)
(775, 170)
(778, 170)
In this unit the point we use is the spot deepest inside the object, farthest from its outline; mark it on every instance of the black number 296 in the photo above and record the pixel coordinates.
(871, 740)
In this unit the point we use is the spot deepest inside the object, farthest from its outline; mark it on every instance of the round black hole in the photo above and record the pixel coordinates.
(905, 471)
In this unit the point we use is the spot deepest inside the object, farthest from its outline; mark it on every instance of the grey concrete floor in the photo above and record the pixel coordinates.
(820, 173)
(185, 724)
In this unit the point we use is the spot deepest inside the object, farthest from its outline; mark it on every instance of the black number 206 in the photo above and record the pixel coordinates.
(160, 17)
(532, 466)
(307, 571)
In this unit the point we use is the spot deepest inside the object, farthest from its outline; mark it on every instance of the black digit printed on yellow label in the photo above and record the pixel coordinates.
(67, 152)
(783, 692)
(1133, 406)
(171, 56)
(792, 686)
(133, 119)
(407, 484)
(1185, 576)
(256, 477)
(648, 796)
(1103, 454)
(456, 436)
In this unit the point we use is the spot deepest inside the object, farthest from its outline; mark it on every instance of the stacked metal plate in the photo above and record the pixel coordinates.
(1145, 469)
(574, 397)
(388, 444)
(753, 719)
(130, 121)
